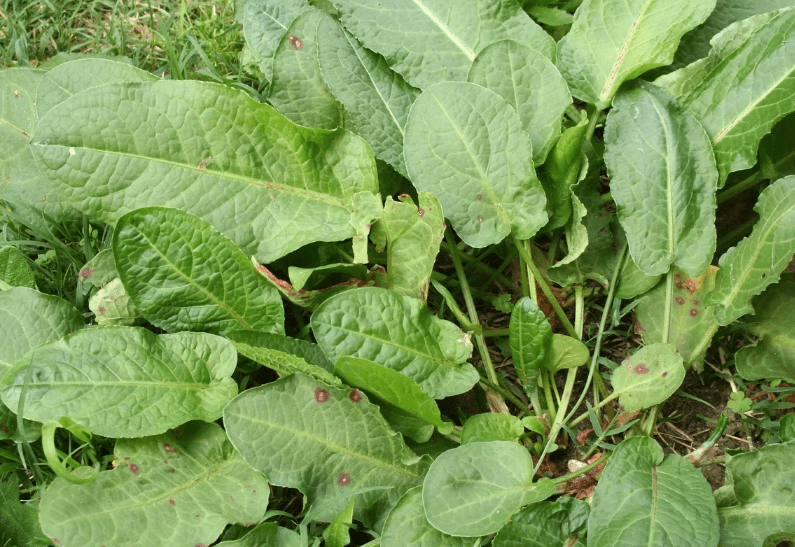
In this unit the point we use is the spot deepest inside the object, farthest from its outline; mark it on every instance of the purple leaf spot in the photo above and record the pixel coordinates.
(344, 479)
(171, 501)
(664, 374)
(296, 42)
(321, 395)
(133, 468)
(693, 312)
(85, 273)
(641, 369)
(480, 197)
(680, 300)
(355, 395)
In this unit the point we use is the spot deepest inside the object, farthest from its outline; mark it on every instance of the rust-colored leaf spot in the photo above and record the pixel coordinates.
(480, 219)
(693, 312)
(101, 310)
(344, 479)
(204, 163)
(321, 395)
(337, 34)
(171, 501)
(167, 447)
(664, 374)
(678, 281)
(480, 197)
(232, 498)
(165, 462)
(133, 468)
(420, 211)
(296, 42)
(4, 427)
(680, 300)
(55, 541)
(85, 273)
(641, 369)
(639, 328)
(355, 395)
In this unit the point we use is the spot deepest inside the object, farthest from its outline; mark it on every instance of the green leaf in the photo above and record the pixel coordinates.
(67, 79)
(29, 318)
(100, 270)
(566, 352)
(267, 534)
(9, 429)
(646, 498)
(307, 278)
(466, 145)
(663, 179)
(553, 17)
(648, 377)
(408, 425)
(398, 332)
(325, 441)
(298, 90)
(691, 317)
(473, 490)
(377, 98)
(124, 381)
(546, 524)
(431, 42)
(757, 261)
(612, 41)
(742, 88)
(762, 512)
(391, 386)
(337, 533)
(14, 268)
(773, 353)
(530, 335)
(212, 151)
(264, 24)
(302, 297)
(633, 282)
(184, 275)
(178, 489)
(413, 236)
(19, 522)
(406, 526)
(491, 426)
(530, 83)
(112, 305)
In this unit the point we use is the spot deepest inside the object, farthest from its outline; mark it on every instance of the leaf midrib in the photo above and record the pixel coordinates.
(446, 30)
(616, 68)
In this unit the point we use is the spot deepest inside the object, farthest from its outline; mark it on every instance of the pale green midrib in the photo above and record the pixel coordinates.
(14, 127)
(125, 383)
(669, 181)
(210, 296)
(747, 111)
(333, 447)
(446, 30)
(616, 68)
(654, 498)
(252, 182)
(727, 301)
(762, 509)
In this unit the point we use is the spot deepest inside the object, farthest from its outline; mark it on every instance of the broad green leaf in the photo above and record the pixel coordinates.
(413, 235)
(565, 352)
(377, 98)
(575, 230)
(389, 385)
(125, 381)
(19, 522)
(183, 275)
(632, 282)
(112, 305)
(663, 179)
(10, 430)
(757, 261)
(530, 83)
(406, 526)
(648, 377)
(410, 426)
(67, 79)
(547, 524)
(309, 278)
(178, 489)
(398, 332)
(264, 24)
(325, 441)
(691, 317)
(612, 41)
(773, 353)
(212, 151)
(14, 268)
(29, 318)
(646, 498)
(267, 534)
(466, 145)
(337, 533)
(434, 41)
(491, 426)
(285, 357)
(100, 270)
(742, 88)
(298, 90)
(553, 17)
(530, 335)
(473, 490)
(695, 44)
(762, 512)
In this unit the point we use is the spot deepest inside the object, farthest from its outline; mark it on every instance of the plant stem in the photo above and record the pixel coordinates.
(453, 305)
(592, 125)
(445, 246)
(507, 395)
(602, 403)
(565, 478)
(496, 332)
(748, 182)
(545, 288)
(669, 294)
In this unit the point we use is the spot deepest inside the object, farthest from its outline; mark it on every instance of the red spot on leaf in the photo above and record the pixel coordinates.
(641, 369)
(664, 374)
(101, 310)
(4, 427)
(355, 395)
(55, 541)
(480, 219)
(296, 42)
(344, 479)
(680, 300)
(693, 312)
(321, 395)
(421, 211)
(133, 468)
(232, 498)
(480, 197)
(639, 328)
(85, 273)
(171, 501)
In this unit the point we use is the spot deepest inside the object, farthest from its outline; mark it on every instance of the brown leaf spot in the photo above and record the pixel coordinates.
(680, 300)
(321, 395)
(480, 219)
(421, 211)
(355, 395)
(664, 374)
(480, 197)
(641, 369)
(133, 468)
(101, 310)
(171, 501)
(344, 479)
(337, 34)
(693, 312)
(296, 42)
(232, 498)
(85, 273)
(639, 328)
(4, 427)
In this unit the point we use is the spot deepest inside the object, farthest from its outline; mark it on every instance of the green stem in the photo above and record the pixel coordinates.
(565, 478)
(602, 403)
(506, 394)
(599, 440)
(592, 125)
(695, 456)
(669, 294)
(496, 332)
(748, 182)
(478, 264)
(545, 288)
(453, 305)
